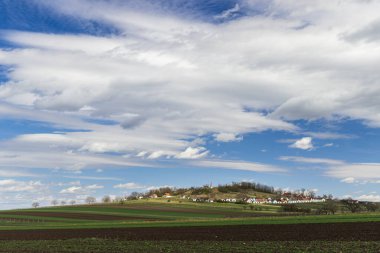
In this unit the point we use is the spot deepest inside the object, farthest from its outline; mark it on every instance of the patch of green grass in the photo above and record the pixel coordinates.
(197, 222)
(107, 245)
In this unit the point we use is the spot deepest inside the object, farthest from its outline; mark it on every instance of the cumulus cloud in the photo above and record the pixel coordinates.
(305, 143)
(156, 154)
(193, 153)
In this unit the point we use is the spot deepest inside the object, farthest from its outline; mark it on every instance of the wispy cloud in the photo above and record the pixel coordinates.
(165, 82)
(238, 165)
(356, 172)
(129, 186)
(301, 159)
(75, 190)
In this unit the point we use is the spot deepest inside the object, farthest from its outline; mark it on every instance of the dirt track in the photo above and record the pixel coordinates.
(364, 231)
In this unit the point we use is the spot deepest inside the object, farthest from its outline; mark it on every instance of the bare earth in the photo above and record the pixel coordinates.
(363, 231)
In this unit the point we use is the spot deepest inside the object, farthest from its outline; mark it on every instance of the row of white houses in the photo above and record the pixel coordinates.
(263, 201)
(282, 201)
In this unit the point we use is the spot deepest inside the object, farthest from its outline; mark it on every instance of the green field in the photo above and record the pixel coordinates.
(156, 213)
(163, 214)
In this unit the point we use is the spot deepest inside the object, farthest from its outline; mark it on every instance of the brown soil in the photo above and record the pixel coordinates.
(5, 219)
(364, 231)
(81, 216)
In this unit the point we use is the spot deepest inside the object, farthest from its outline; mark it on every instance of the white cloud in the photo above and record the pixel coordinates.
(238, 165)
(156, 154)
(166, 81)
(11, 185)
(301, 159)
(129, 186)
(227, 137)
(94, 187)
(356, 172)
(72, 189)
(329, 135)
(305, 143)
(193, 153)
(160, 186)
(348, 180)
(16, 173)
(89, 189)
(228, 13)
(93, 178)
(370, 197)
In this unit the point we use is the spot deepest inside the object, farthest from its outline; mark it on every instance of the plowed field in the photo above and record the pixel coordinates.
(363, 231)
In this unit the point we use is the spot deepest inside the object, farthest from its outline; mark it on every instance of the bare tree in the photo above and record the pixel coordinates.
(134, 195)
(106, 199)
(54, 202)
(72, 202)
(352, 205)
(35, 204)
(63, 202)
(119, 200)
(330, 207)
(90, 200)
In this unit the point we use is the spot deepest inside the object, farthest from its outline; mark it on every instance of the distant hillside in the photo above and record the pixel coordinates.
(241, 191)
(244, 189)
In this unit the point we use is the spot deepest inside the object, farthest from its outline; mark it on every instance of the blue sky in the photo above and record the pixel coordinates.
(109, 96)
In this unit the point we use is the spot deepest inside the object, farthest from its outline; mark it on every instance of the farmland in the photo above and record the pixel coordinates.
(158, 226)
(160, 213)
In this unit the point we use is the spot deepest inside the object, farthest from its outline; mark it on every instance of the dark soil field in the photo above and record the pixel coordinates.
(80, 216)
(359, 231)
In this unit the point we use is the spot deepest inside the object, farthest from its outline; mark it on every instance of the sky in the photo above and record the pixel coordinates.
(107, 97)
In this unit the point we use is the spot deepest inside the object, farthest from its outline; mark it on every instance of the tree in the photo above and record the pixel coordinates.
(35, 204)
(119, 200)
(54, 202)
(106, 199)
(352, 205)
(331, 207)
(133, 196)
(63, 202)
(90, 200)
(72, 202)
(371, 207)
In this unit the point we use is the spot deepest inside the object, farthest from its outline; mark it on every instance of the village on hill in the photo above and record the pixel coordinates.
(240, 193)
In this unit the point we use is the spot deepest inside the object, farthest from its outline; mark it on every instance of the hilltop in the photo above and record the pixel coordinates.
(243, 192)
